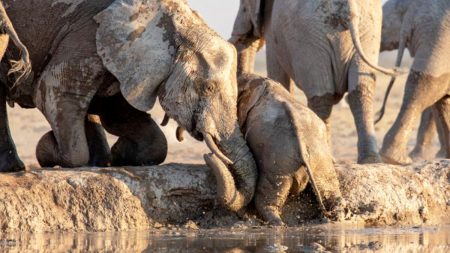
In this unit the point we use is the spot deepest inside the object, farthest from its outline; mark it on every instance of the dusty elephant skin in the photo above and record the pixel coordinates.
(114, 58)
(423, 28)
(289, 143)
(328, 48)
(429, 125)
(120, 199)
(19, 70)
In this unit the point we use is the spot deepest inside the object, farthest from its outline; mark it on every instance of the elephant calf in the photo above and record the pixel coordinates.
(289, 143)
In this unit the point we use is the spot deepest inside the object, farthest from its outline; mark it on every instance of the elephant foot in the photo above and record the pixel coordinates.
(395, 158)
(10, 161)
(417, 155)
(369, 158)
(441, 153)
(272, 215)
(338, 210)
(100, 160)
(126, 152)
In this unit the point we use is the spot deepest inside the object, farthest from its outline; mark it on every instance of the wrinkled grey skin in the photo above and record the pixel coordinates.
(424, 28)
(199, 90)
(327, 47)
(18, 70)
(429, 125)
(289, 143)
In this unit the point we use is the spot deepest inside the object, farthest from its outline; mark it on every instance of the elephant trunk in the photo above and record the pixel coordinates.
(354, 30)
(398, 63)
(23, 66)
(236, 181)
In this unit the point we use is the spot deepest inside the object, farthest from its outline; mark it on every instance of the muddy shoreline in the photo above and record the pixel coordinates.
(141, 198)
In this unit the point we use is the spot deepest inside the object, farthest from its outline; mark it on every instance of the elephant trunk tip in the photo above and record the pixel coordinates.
(227, 193)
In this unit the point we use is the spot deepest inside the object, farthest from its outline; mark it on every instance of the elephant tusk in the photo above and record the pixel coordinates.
(165, 120)
(179, 134)
(212, 145)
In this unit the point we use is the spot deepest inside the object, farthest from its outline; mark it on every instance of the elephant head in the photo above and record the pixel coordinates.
(252, 19)
(163, 49)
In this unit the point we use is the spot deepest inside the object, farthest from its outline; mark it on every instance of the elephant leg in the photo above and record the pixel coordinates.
(360, 98)
(141, 141)
(441, 133)
(275, 70)
(99, 151)
(421, 92)
(322, 106)
(66, 145)
(9, 160)
(425, 135)
(64, 91)
(300, 182)
(443, 109)
(271, 195)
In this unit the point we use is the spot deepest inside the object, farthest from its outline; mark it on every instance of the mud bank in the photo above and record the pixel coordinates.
(119, 199)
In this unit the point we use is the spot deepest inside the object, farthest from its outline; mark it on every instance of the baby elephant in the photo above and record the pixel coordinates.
(289, 143)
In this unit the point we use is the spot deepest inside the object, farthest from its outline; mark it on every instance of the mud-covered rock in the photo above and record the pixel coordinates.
(118, 199)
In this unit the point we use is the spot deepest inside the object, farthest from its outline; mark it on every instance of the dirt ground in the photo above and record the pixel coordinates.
(27, 126)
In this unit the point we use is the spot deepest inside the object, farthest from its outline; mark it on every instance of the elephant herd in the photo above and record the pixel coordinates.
(91, 66)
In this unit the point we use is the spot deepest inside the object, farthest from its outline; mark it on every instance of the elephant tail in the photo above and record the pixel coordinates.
(20, 67)
(398, 63)
(354, 30)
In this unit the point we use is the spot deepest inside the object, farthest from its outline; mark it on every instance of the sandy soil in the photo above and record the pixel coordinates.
(27, 126)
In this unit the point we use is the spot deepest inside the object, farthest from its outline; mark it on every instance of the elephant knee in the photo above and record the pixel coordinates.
(46, 150)
(48, 154)
(72, 159)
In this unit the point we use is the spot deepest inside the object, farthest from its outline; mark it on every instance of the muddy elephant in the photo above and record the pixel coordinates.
(327, 47)
(114, 58)
(17, 70)
(289, 143)
(422, 27)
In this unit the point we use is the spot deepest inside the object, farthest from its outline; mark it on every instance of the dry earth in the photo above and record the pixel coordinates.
(140, 198)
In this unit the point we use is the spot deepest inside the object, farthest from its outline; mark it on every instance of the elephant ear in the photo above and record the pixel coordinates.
(249, 95)
(136, 47)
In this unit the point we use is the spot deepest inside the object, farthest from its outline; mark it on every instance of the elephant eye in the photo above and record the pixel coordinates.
(209, 87)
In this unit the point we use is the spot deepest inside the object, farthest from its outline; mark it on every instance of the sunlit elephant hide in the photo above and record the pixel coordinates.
(327, 47)
(113, 58)
(423, 27)
(289, 143)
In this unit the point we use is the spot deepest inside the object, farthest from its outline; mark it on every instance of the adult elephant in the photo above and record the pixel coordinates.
(327, 47)
(113, 58)
(422, 26)
(18, 69)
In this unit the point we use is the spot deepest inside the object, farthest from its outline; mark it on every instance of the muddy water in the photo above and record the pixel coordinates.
(304, 239)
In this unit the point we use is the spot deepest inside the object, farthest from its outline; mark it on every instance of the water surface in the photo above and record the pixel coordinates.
(304, 239)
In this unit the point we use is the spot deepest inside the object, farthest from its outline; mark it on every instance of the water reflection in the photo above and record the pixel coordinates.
(304, 239)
